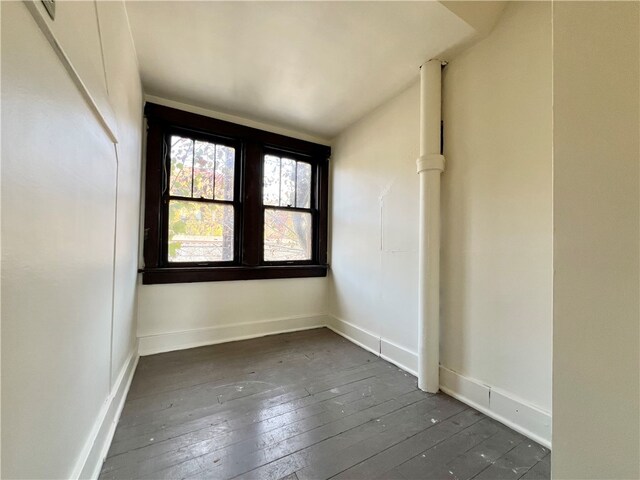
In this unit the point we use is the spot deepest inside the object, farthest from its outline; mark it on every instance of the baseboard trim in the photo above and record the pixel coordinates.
(361, 337)
(400, 356)
(97, 446)
(167, 342)
(385, 349)
(502, 406)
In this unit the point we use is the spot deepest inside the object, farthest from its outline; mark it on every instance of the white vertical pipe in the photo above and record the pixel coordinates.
(430, 165)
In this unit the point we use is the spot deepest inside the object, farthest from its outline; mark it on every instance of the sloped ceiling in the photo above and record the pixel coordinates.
(314, 67)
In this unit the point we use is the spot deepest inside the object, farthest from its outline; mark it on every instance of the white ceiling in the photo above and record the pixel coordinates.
(315, 67)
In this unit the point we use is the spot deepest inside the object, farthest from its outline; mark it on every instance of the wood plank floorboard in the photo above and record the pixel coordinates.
(303, 406)
(170, 425)
(248, 429)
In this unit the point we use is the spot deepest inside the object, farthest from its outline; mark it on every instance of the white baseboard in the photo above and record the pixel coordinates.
(502, 406)
(495, 403)
(97, 446)
(389, 351)
(361, 337)
(400, 356)
(167, 342)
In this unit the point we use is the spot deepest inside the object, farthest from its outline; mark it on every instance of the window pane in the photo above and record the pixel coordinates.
(287, 235)
(200, 232)
(181, 166)
(303, 185)
(225, 164)
(271, 181)
(203, 169)
(287, 182)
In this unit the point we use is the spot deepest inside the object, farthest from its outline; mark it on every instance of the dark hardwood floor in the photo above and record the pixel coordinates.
(304, 405)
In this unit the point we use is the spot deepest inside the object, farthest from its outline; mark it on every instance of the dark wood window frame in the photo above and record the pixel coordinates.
(251, 146)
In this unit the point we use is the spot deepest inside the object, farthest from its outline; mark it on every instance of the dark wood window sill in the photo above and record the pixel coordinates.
(152, 276)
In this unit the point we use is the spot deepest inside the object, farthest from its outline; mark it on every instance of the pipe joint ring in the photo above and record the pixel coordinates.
(430, 162)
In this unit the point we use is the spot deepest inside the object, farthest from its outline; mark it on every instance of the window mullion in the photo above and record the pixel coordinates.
(215, 169)
(193, 163)
(252, 206)
(295, 187)
(280, 181)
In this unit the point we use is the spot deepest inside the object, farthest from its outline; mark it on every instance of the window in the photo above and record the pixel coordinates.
(201, 202)
(288, 217)
(228, 202)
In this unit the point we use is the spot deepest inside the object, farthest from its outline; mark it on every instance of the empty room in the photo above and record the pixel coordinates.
(309, 240)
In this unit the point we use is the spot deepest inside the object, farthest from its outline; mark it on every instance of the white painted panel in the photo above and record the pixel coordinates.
(596, 391)
(76, 33)
(60, 396)
(126, 97)
(496, 260)
(58, 191)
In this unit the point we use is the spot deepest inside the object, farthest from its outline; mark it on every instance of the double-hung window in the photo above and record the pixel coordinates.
(228, 202)
(200, 201)
(287, 209)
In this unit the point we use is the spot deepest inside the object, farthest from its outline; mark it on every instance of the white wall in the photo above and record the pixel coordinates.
(184, 315)
(497, 208)
(596, 353)
(374, 230)
(497, 224)
(68, 262)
